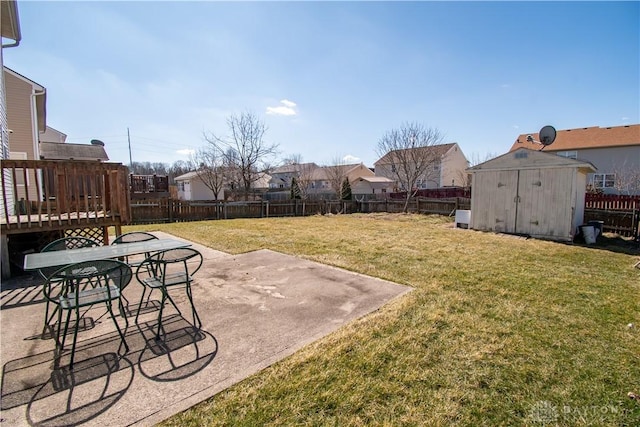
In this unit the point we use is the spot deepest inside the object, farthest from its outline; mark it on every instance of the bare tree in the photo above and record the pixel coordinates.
(245, 149)
(292, 159)
(336, 174)
(406, 154)
(210, 168)
(627, 179)
(476, 159)
(306, 176)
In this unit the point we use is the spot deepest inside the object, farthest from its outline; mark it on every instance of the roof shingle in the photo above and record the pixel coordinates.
(584, 138)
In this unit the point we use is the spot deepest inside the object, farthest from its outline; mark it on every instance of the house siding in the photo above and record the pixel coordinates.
(4, 147)
(453, 167)
(21, 121)
(447, 171)
(611, 160)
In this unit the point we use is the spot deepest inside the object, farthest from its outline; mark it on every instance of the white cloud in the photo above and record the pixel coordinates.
(351, 159)
(515, 126)
(281, 111)
(286, 109)
(624, 119)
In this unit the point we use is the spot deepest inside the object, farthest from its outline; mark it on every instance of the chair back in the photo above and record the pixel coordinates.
(107, 273)
(63, 244)
(182, 260)
(134, 236)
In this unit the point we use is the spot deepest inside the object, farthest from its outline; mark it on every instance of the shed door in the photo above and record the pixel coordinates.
(497, 212)
(544, 199)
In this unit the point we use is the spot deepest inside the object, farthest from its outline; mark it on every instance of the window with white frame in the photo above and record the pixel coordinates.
(604, 180)
(568, 154)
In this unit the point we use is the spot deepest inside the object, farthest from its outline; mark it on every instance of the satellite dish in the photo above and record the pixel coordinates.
(97, 142)
(547, 135)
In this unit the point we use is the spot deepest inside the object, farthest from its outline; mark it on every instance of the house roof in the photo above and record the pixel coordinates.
(9, 22)
(57, 151)
(293, 167)
(524, 158)
(584, 138)
(437, 150)
(376, 179)
(187, 176)
(53, 135)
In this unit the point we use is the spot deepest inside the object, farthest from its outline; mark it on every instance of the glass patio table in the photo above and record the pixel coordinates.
(40, 260)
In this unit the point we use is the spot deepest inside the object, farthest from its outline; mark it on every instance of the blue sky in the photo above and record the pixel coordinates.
(328, 78)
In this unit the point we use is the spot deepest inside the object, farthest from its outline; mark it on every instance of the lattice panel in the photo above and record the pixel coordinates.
(46, 237)
(94, 233)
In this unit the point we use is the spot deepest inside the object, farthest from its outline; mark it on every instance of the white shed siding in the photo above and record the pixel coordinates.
(538, 194)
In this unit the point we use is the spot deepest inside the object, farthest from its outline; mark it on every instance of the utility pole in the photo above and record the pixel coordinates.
(130, 160)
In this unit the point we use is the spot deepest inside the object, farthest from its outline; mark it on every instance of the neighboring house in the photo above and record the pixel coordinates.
(52, 135)
(326, 178)
(26, 118)
(191, 187)
(448, 170)
(319, 181)
(372, 185)
(281, 176)
(614, 151)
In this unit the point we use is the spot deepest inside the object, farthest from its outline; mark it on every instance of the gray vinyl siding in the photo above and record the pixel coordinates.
(612, 160)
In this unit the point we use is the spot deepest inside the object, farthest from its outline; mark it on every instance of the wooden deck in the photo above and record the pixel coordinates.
(52, 195)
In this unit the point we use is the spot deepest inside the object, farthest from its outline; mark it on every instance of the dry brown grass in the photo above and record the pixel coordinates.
(496, 326)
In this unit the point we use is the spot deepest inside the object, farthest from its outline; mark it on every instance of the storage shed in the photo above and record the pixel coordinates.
(530, 193)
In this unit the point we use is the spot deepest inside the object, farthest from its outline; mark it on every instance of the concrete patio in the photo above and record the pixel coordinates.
(256, 308)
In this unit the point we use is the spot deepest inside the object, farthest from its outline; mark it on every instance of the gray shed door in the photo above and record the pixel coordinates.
(544, 202)
(500, 212)
(529, 201)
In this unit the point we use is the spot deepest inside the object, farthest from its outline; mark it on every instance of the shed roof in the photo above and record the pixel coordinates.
(583, 138)
(58, 151)
(524, 158)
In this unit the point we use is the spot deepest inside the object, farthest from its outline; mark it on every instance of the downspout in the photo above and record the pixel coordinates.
(35, 120)
(8, 45)
(11, 8)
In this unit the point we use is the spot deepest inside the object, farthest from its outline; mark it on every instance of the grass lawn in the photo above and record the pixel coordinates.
(499, 330)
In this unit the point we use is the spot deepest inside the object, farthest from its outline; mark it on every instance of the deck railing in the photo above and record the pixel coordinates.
(146, 184)
(61, 193)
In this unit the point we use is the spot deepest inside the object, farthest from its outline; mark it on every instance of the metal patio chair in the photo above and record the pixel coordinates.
(167, 269)
(67, 289)
(62, 244)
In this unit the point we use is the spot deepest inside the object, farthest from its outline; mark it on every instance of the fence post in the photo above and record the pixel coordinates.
(170, 209)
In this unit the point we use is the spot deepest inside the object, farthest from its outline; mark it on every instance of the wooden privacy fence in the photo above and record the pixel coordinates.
(619, 214)
(168, 210)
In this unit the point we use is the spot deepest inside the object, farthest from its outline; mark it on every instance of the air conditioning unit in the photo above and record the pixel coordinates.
(463, 218)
